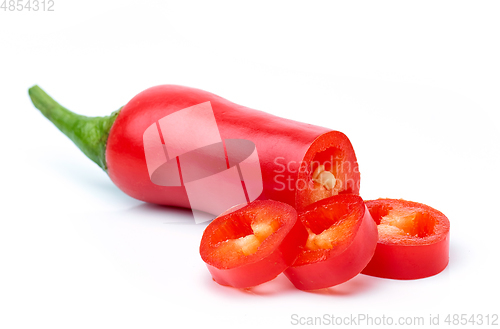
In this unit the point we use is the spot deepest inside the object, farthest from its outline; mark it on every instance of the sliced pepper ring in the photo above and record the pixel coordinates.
(414, 240)
(342, 239)
(252, 244)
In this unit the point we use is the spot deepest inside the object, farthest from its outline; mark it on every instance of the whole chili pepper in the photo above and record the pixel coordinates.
(300, 163)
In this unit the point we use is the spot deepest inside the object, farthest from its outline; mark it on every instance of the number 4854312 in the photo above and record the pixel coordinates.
(472, 319)
(27, 5)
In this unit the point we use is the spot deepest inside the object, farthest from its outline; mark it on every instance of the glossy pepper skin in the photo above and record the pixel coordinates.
(414, 240)
(286, 149)
(252, 244)
(342, 239)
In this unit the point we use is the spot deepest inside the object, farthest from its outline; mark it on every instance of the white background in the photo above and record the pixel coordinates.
(415, 86)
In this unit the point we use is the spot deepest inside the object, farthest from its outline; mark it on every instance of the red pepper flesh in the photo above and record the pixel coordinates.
(252, 244)
(342, 240)
(414, 240)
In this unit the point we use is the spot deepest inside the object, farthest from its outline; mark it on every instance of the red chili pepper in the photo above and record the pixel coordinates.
(252, 244)
(342, 240)
(413, 241)
(300, 163)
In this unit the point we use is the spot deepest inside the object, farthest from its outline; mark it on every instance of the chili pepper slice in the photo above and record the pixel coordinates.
(300, 163)
(413, 241)
(342, 239)
(252, 244)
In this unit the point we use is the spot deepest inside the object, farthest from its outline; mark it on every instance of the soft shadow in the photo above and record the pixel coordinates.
(356, 285)
(459, 256)
(74, 170)
(89, 177)
(166, 214)
(279, 285)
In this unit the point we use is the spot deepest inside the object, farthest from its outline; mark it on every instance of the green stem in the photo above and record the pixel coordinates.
(90, 134)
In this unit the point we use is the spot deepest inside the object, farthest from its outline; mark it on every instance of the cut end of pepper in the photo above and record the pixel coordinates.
(331, 169)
